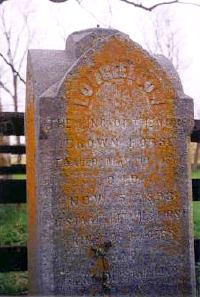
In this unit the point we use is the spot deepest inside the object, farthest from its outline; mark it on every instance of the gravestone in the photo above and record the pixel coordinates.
(109, 196)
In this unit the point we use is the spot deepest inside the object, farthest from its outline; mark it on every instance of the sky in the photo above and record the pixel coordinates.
(51, 23)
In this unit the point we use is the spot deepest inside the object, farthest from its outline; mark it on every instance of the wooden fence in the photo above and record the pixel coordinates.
(14, 191)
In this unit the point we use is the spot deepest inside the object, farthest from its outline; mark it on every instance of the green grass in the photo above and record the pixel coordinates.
(19, 176)
(196, 173)
(14, 283)
(13, 231)
(13, 225)
(196, 213)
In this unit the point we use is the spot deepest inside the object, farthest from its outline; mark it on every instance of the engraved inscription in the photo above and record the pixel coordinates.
(86, 90)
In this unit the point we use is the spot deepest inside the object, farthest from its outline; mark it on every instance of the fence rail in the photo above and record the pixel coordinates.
(195, 136)
(196, 189)
(13, 149)
(14, 169)
(12, 123)
(14, 191)
(13, 258)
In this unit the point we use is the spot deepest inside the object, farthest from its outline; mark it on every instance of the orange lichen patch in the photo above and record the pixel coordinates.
(31, 170)
(127, 84)
(175, 228)
(78, 178)
(31, 189)
(83, 214)
(162, 175)
(171, 206)
(179, 243)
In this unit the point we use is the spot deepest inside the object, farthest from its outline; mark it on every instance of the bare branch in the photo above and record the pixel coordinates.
(150, 8)
(7, 34)
(18, 40)
(110, 12)
(188, 3)
(12, 68)
(91, 13)
(159, 46)
(22, 59)
(2, 85)
(28, 42)
(140, 5)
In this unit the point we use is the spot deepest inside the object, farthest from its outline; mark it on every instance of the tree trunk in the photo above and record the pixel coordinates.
(4, 158)
(15, 101)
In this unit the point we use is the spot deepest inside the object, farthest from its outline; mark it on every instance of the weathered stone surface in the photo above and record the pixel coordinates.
(108, 172)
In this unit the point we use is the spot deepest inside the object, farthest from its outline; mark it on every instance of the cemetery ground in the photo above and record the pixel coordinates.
(196, 208)
(13, 231)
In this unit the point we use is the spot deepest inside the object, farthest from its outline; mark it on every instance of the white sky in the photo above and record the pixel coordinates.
(52, 23)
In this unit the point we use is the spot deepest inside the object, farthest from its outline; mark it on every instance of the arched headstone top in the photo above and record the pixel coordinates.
(79, 42)
(114, 59)
(154, 78)
(167, 65)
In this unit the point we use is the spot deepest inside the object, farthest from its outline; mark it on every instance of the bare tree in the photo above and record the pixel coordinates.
(196, 153)
(165, 39)
(15, 44)
(12, 58)
(139, 4)
(4, 159)
(13, 50)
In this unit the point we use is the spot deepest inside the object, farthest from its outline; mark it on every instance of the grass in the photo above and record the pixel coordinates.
(14, 283)
(196, 214)
(19, 176)
(13, 225)
(196, 173)
(13, 231)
